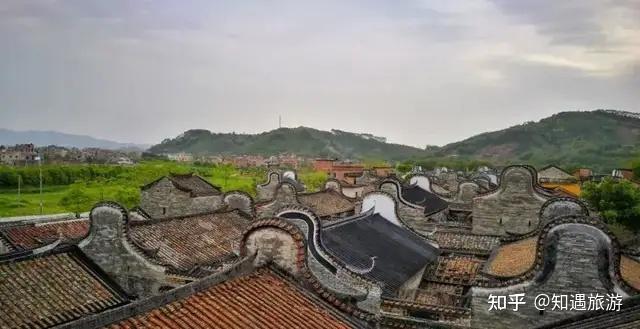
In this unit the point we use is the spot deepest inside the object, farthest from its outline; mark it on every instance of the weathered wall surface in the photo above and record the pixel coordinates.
(411, 215)
(559, 207)
(164, 200)
(463, 200)
(513, 208)
(273, 245)
(577, 262)
(284, 195)
(240, 201)
(267, 190)
(555, 175)
(108, 247)
(409, 288)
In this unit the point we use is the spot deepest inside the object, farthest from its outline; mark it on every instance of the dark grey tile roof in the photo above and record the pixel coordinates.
(399, 253)
(430, 201)
(194, 184)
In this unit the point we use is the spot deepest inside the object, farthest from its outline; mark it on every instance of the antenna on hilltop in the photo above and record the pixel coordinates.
(279, 121)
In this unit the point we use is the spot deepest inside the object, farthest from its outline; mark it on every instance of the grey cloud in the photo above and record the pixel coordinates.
(142, 71)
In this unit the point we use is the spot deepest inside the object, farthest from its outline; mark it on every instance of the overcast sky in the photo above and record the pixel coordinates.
(417, 72)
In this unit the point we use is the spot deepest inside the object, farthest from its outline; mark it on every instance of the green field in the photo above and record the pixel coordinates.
(84, 185)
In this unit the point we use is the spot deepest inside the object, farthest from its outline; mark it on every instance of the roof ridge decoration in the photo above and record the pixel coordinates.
(421, 180)
(536, 271)
(108, 245)
(271, 176)
(241, 201)
(545, 217)
(301, 265)
(313, 226)
(396, 192)
(394, 216)
(511, 208)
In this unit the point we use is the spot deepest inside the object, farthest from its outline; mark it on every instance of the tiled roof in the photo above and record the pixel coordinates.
(630, 271)
(430, 201)
(454, 269)
(435, 293)
(45, 291)
(513, 259)
(400, 253)
(32, 236)
(466, 242)
(195, 184)
(326, 203)
(259, 300)
(184, 243)
(5, 246)
(628, 317)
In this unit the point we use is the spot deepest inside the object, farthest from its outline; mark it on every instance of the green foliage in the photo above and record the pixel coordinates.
(617, 201)
(103, 182)
(635, 166)
(76, 199)
(301, 141)
(598, 140)
(313, 180)
(127, 196)
(404, 167)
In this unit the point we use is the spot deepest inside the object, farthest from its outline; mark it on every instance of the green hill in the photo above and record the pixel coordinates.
(301, 141)
(598, 139)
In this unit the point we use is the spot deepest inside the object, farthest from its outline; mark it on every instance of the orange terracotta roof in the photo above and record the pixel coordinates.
(434, 293)
(630, 271)
(513, 259)
(454, 269)
(184, 243)
(34, 236)
(50, 290)
(259, 300)
(326, 203)
(571, 189)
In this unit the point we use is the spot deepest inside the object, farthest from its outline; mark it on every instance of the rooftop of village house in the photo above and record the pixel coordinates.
(448, 256)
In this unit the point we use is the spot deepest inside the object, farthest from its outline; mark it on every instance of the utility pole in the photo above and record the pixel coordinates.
(19, 183)
(40, 168)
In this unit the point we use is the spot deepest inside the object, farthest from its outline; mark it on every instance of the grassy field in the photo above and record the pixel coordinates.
(120, 184)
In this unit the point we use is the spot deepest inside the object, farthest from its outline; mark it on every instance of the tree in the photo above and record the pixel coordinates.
(313, 180)
(635, 166)
(404, 167)
(127, 196)
(76, 199)
(617, 201)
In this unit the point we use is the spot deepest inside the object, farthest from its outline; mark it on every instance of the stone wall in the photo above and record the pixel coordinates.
(164, 200)
(576, 261)
(514, 207)
(267, 190)
(559, 207)
(273, 245)
(555, 175)
(284, 195)
(463, 200)
(108, 246)
(241, 201)
(412, 215)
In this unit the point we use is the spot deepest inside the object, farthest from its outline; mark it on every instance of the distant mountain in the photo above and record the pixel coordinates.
(301, 141)
(602, 139)
(44, 138)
